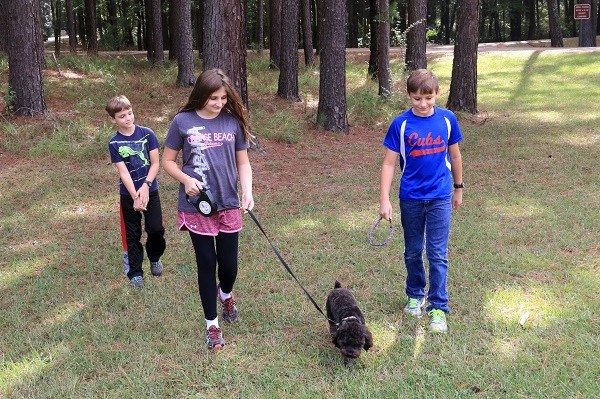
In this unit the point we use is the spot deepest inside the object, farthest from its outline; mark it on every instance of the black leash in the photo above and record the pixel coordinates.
(284, 263)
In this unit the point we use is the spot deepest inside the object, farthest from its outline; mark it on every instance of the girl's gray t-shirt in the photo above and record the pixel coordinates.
(208, 153)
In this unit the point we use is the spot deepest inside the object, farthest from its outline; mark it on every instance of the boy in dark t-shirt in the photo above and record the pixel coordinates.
(134, 152)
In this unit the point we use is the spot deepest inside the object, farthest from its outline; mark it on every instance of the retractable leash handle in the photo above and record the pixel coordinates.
(284, 263)
(374, 228)
(205, 203)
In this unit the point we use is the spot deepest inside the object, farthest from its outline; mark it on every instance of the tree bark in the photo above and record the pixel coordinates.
(91, 27)
(288, 68)
(307, 34)
(556, 39)
(415, 40)
(3, 26)
(225, 41)
(182, 42)
(155, 48)
(71, 26)
(274, 33)
(383, 46)
(373, 67)
(463, 85)
(331, 112)
(587, 27)
(25, 57)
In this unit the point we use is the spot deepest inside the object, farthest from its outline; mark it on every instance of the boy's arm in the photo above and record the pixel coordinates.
(144, 190)
(245, 174)
(456, 165)
(387, 175)
(126, 178)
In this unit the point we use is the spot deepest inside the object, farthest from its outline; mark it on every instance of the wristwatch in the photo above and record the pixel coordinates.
(148, 182)
(459, 185)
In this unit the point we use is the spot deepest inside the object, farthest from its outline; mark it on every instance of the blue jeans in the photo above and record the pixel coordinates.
(427, 223)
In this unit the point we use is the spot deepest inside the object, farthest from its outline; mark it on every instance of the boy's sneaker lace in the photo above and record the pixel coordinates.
(230, 312)
(438, 321)
(214, 338)
(414, 307)
(156, 268)
(136, 281)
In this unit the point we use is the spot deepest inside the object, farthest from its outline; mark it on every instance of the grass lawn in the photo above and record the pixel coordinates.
(524, 279)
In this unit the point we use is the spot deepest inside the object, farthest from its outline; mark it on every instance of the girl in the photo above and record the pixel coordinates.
(211, 131)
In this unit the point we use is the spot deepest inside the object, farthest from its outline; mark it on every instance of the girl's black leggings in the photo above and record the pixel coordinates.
(221, 250)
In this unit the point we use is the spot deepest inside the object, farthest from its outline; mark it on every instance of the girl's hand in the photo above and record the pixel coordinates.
(193, 187)
(247, 202)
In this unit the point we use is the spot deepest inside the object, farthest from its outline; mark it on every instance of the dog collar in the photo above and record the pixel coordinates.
(350, 318)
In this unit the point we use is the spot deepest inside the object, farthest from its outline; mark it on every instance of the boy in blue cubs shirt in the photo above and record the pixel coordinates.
(134, 152)
(425, 138)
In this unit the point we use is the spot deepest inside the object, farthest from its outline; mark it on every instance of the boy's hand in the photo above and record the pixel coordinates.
(457, 198)
(385, 209)
(143, 196)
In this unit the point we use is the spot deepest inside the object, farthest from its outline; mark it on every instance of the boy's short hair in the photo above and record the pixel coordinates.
(422, 81)
(117, 104)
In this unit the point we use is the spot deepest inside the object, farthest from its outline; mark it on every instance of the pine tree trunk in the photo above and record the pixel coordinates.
(307, 34)
(288, 67)
(556, 39)
(416, 41)
(25, 57)
(182, 42)
(91, 28)
(331, 112)
(71, 26)
(383, 46)
(274, 33)
(225, 41)
(463, 85)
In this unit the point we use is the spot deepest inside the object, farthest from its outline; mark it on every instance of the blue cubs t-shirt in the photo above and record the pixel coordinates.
(422, 143)
(134, 150)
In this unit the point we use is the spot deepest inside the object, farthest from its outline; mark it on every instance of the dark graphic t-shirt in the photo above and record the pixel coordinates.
(134, 150)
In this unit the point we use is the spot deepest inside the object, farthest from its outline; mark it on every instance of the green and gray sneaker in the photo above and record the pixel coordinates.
(414, 307)
(438, 321)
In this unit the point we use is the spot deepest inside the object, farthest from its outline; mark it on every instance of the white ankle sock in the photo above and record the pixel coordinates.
(210, 323)
(223, 295)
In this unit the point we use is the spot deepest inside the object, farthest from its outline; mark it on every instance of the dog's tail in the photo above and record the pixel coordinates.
(337, 284)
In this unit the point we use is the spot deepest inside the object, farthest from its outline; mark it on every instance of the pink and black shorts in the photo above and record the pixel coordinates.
(225, 221)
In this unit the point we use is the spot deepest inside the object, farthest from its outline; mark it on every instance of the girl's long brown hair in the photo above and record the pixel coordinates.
(207, 83)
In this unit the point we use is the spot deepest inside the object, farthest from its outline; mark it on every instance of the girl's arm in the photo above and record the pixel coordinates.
(169, 164)
(456, 165)
(245, 173)
(387, 175)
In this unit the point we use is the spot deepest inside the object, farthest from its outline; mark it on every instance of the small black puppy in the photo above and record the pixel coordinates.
(347, 323)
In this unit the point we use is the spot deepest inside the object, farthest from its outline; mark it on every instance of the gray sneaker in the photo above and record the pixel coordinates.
(414, 307)
(136, 282)
(230, 312)
(438, 321)
(156, 268)
(214, 338)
